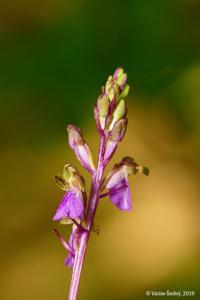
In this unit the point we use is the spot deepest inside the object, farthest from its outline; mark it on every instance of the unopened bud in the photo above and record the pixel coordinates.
(114, 92)
(74, 136)
(118, 72)
(81, 149)
(109, 84)
(124, 92)
(111, 94)
(122, 80)
(118, 130)
(115, 136)
(119, 113)
(120, 77)
(103, 109)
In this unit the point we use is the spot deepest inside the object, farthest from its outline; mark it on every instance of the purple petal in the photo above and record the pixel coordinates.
(120, 195)
(117, 179)
(71, 206)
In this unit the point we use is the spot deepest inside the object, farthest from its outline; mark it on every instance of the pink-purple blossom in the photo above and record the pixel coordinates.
(71, 206)
(119, 193)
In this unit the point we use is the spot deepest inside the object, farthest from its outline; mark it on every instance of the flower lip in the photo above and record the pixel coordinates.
(71, 206)
(120, 195)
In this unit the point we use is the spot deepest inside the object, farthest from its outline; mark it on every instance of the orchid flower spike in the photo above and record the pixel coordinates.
(110, 114)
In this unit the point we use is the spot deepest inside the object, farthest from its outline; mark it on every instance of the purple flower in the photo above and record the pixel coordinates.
(120, 195)
(119, 190)
(71, 205)
(117, 182)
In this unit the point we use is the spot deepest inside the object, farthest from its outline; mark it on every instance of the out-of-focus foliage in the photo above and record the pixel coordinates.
(54, 57)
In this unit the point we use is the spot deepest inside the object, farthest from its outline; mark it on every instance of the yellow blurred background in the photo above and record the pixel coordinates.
(54, 57)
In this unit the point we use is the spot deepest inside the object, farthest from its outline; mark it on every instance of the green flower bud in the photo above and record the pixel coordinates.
(124, 92)
(103, 109)
(119, 113)
(118, 72)
(111, 94)
(109, 83)
(103, 106)
(121, 80)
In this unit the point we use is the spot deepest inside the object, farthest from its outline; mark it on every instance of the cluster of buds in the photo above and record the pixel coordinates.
(110, 111)
(110, 116)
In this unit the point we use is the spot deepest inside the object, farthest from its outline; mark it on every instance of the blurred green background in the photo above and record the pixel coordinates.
(54, 57)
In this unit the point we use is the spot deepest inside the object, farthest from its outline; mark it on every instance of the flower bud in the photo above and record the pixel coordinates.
(81, 149)
(115, 136)
(118, 72)
(102, 110)
(120, 77)
(119, 113)
(113, 92)
(109, 84)
(122, 80)
(124, 92)
(118, 130)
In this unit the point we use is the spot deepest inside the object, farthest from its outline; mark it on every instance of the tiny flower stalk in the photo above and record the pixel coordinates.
(78, 210)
